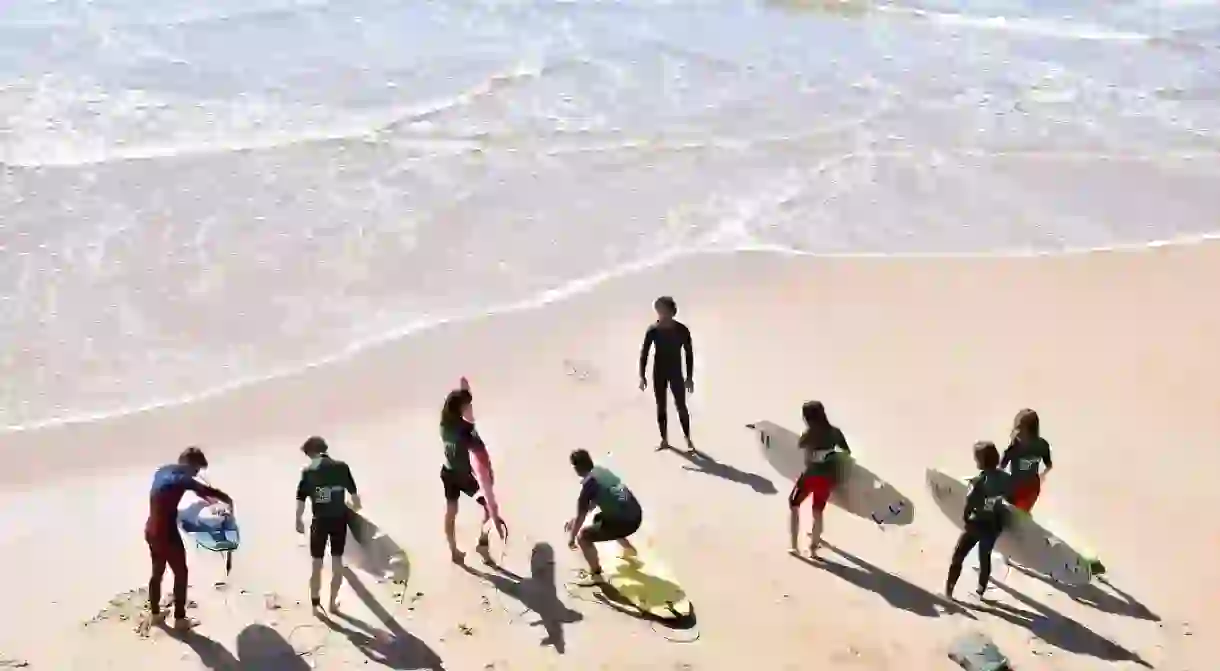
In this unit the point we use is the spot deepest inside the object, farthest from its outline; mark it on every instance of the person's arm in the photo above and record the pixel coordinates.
(649, 337)
(302, 496)
(973, 498)
(584, 503)
(1046, 459)
(207, 491)
(842, 442)
(349, 483)
(688, 344)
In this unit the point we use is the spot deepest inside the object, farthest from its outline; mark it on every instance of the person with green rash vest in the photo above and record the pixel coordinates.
(461, 439)
(326, 482)
(619, 513)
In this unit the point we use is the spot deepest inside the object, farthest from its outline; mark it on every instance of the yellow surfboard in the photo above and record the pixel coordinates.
(646, 583)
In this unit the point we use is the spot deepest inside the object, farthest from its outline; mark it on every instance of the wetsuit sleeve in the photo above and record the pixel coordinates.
(1046, 454)
(650, 336)
(349, 483)
(205, 491)
(841, 441)
(1007, 458)
(689, 345)
(302, 488)
(588, 493)
(974, 498)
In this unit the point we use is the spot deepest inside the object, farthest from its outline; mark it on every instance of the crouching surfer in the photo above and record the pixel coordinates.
(825, 451)
(619, 514)
(326, 483)
(165, 544)
(462, 446)
(984, 516)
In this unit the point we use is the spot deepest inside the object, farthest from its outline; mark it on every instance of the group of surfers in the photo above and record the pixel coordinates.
(1011, 480)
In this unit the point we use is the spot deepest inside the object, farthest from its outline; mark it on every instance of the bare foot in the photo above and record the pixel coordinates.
(794, 551)
(185, 623)
(690, 445)
(333, 606)
(456, 556)
(664, 446)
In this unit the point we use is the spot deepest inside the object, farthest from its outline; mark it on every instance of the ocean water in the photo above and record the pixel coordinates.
(199, 194)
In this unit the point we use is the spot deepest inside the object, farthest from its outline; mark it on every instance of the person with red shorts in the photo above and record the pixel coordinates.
(161, 531)
(1026, 452)
(824, 447)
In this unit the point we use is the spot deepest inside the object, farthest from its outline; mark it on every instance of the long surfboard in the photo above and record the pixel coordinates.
(861, 492)
(1025, 541)
(645, 582)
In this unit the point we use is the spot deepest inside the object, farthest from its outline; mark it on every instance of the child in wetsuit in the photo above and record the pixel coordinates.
(460, 438)
(1027, 450)
(326, 483)
(825, 448)
(670, 337)
(984, 516)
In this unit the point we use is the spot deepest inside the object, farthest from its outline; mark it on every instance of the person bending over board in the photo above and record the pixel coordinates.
(824, 447)
(670, 337)
(619, 514)
(325, 482)
(161, 531)
(1026, 452)
(462, 441)
(983, 517)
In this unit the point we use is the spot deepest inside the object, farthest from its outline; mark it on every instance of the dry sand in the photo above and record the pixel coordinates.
(915, 359)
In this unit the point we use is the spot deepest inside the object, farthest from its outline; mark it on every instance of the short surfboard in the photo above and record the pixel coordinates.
(861, 493)
(645, 582)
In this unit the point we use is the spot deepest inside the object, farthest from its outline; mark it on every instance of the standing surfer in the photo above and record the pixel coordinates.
(1026, 452)
(670, 337)
(825, 448)
(325, 482)
(983, 517)
(462, 443)
(619, 513)
(161, 531)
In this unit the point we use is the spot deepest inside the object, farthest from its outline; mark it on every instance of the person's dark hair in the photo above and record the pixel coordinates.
(668, 302)
(581, 461)
(986, 456)
(815, 415)
(314, 446)
(1026, 422)
(193, 456)
(451, 412)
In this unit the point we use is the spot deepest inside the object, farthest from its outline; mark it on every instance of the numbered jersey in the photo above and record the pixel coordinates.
(326, 483)
(605, 490)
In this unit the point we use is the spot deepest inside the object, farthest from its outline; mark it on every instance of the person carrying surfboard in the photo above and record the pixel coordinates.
(618, 514)
(1027, 450)
(670, 337)
(462, 444)
(824, 447)
(984, 516)
(161, 531)
(325, 483)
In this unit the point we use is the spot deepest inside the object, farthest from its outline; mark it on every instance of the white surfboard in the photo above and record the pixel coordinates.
(1025, 541)
(861, 493)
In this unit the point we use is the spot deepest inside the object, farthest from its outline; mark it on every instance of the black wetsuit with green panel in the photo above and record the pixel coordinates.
(327, 482)
(983, 518)
(460, 437)
(619, 512)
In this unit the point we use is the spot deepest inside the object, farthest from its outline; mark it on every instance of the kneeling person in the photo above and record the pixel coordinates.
(619, 513)
(325, 482)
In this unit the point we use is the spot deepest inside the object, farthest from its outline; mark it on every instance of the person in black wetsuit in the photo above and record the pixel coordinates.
(670, 337)
(984, 516)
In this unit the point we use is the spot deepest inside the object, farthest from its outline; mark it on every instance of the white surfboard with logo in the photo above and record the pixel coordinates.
(861, 493)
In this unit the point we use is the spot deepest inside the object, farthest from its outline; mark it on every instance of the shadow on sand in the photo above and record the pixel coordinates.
(1055, 628)
(898, 592)
(259, 648)
(701, 462)
(538, 593)
(1118, 603)
(375, 552)
(392, 647)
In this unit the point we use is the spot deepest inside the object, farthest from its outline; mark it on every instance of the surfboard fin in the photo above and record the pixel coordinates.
(751, 426)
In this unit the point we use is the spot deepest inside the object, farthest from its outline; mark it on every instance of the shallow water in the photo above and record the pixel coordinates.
(194, 196)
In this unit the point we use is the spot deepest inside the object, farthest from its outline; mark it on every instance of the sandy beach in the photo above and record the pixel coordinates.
(915, 359)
